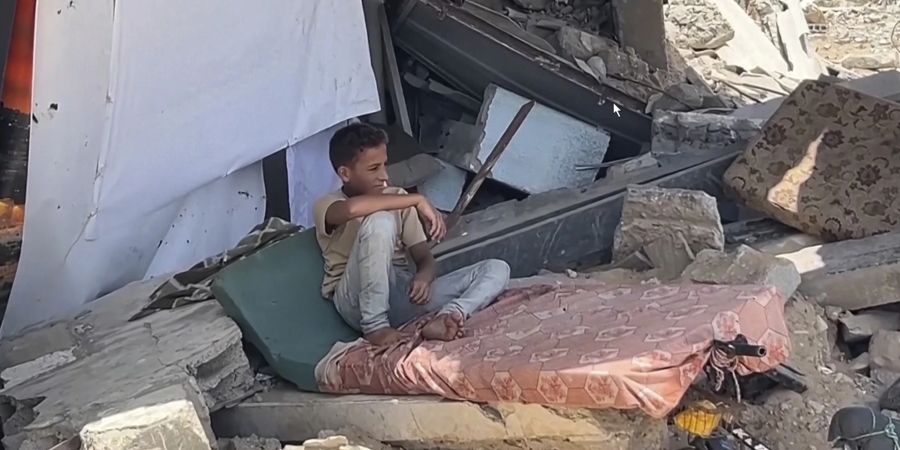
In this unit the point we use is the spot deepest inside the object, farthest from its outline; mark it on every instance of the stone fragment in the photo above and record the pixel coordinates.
(853, 274)
(670, 255)
(680, 132)
(326, 443)
(650, 213)
(173, 417)
(575, 43)
(644, 161)
(861, 363)
(884, 350)
(249, 443)
(744, 266)
(859, 327)
(873, 61)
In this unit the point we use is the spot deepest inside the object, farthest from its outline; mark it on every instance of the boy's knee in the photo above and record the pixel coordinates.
(497, 267)
(379, 223)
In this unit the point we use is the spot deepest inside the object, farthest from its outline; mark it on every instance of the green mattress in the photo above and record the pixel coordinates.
(275, 297)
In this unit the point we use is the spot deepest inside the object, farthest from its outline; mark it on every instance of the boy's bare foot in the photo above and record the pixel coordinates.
(444, 327)
(384, 337)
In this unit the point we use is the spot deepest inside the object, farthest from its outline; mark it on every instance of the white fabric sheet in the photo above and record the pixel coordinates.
(310, 174)
(159, 104)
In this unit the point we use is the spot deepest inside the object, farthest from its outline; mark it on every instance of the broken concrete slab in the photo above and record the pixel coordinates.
(577, 44)
(790, 173)
(640, 24)
(413, 171)
(750, 48)
(417, 422)
(744, 266)
(252, 442)
(650, 213)
(680, 132)
(472, 54)
(173, 417)
(543, 154)
(697, 24)
(859, 327)
(854, 274)
(17, 374)
(445, 187)
(884, 350)
(165, 356)
(870, 61)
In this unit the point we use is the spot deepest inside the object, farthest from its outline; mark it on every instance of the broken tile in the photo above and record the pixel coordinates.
(744, 266)
(859, 327)
(790, 172)
(650, 213)
(544, 153)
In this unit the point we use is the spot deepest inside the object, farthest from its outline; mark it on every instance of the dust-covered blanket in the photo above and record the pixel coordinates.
(586, 345)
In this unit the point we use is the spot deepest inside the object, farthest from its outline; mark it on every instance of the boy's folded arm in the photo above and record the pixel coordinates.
(341, 212)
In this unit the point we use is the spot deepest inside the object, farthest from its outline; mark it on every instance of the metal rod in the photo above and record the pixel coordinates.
(489, 163)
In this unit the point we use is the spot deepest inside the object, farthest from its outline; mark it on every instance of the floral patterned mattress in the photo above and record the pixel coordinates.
(579, 345)
(826, 163)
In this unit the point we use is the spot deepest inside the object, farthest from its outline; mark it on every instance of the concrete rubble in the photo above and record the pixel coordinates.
(249, 443)
(680, 132)
(687, 221)
(130, 382)
(744, 266)
(884, 351)
(862, 326)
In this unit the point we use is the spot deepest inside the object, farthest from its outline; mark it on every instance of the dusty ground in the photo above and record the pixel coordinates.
(792, 421)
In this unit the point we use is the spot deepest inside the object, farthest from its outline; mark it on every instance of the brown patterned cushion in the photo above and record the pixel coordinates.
(827, 163)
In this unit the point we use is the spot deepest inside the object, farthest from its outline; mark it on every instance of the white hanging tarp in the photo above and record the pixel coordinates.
(310, 174)
(146, 114)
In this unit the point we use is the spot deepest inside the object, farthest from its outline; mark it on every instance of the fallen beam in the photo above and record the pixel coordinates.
(472, 53)
(502, 219)
(564, 237)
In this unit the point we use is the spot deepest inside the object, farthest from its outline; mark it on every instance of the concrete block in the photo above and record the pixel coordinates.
(670, 255)
(853, 274)
(884, 350)
(577, 44)
(173, 417)
(650, 213)
(544, 153)
(859, 327)
(680, 132)
(744, 266)
(427, 422)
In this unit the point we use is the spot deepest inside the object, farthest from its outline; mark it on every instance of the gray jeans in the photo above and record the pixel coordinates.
(374, 293)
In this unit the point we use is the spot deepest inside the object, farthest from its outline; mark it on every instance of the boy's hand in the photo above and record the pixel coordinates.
(433, 219)
(420, 288)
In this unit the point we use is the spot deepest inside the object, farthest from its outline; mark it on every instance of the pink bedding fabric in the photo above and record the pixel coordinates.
(584, 345)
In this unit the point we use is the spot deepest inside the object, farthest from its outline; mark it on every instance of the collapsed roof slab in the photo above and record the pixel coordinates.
(464, 47)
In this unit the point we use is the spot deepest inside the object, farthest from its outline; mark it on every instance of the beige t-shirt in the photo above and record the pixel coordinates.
(337, 245)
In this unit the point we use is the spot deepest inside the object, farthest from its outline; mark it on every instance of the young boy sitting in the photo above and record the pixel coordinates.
(367, 229)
